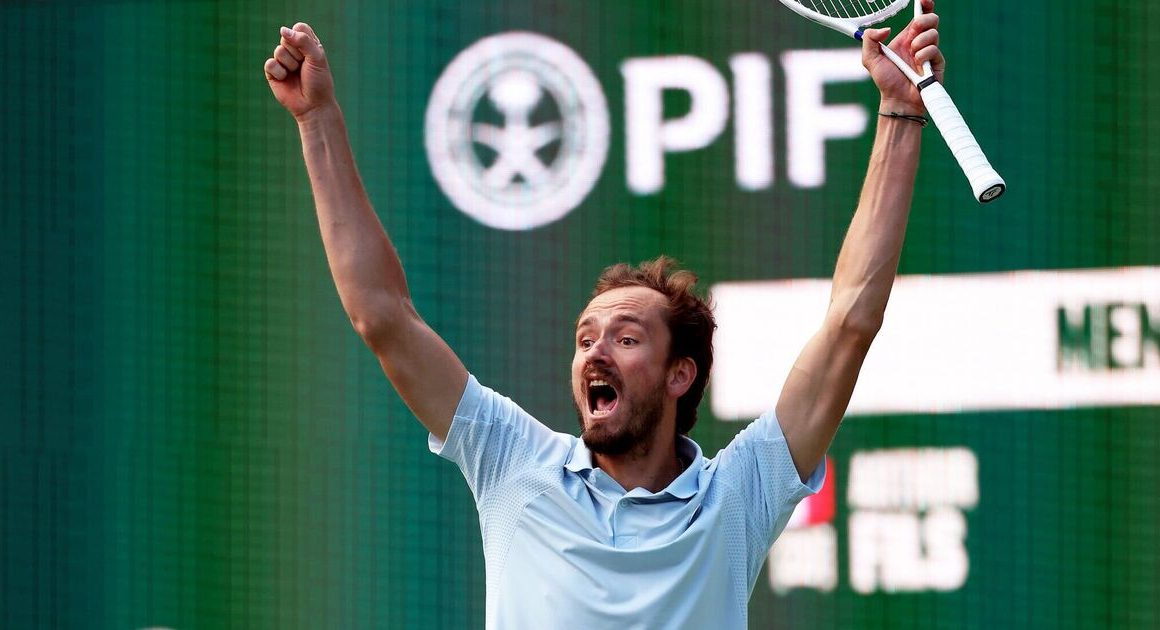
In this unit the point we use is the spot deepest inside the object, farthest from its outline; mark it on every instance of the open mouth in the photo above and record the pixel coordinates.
(602, 398)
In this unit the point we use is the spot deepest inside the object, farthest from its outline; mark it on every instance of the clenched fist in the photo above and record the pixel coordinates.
(298, 73)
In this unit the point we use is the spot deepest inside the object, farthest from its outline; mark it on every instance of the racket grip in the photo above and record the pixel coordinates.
(986, 184)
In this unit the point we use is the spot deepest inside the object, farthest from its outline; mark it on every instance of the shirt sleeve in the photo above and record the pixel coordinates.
(757, 463)
(492, 439)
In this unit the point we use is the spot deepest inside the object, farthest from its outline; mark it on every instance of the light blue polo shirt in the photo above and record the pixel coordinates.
(566, 547)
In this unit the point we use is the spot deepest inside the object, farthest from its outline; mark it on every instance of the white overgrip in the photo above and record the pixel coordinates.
(986, 184)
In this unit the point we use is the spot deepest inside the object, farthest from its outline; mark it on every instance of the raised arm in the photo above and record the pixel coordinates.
(818, 389)
(363, 262)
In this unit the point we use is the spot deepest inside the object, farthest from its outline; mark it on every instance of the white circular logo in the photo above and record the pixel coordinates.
(517, 131)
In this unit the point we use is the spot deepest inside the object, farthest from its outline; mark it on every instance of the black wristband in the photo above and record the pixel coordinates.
(918, 120)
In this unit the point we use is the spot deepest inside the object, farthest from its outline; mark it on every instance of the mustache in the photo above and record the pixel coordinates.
(592, 372)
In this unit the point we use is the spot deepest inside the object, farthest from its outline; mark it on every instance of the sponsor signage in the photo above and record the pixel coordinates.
(906, 530)
(1017, 340)
(517, 125)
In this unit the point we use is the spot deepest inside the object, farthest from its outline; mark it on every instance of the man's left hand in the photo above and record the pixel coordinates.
(918, 43)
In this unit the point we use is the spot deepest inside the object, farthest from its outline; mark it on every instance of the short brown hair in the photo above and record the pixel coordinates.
(689, 316)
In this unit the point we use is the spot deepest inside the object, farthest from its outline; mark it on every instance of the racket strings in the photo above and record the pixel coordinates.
(847, 9)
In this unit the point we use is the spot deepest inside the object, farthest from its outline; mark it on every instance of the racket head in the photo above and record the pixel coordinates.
(847, 16)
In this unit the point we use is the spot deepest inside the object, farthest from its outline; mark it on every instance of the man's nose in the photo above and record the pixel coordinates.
(598, 353)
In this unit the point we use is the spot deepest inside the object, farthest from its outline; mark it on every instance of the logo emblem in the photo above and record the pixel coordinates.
(517, 131)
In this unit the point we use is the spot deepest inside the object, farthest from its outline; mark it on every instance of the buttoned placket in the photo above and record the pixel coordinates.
(618, 508)
(619, 512)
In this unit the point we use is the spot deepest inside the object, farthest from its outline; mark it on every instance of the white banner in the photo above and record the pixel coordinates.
(1016, 340)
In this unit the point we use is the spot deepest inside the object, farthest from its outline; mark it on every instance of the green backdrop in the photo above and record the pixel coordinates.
(192, 436)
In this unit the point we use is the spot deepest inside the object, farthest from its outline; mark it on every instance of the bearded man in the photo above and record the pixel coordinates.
(630, 525)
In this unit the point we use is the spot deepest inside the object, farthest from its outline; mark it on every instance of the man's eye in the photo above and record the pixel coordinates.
(585, 343)
(628, 341)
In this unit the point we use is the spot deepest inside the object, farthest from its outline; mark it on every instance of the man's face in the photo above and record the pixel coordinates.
(619, 369)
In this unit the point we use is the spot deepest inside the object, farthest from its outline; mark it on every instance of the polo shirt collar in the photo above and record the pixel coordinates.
(683, 487)
(686, 483)
(580, 459)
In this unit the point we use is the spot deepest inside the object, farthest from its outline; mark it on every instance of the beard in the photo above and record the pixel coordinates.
(635, 431)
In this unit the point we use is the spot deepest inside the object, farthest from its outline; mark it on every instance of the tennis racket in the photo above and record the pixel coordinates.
(851, 17)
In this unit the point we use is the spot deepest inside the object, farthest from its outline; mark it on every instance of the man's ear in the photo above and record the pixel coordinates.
(681, 375)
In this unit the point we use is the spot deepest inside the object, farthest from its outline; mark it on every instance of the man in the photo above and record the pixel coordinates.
(630, 525)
